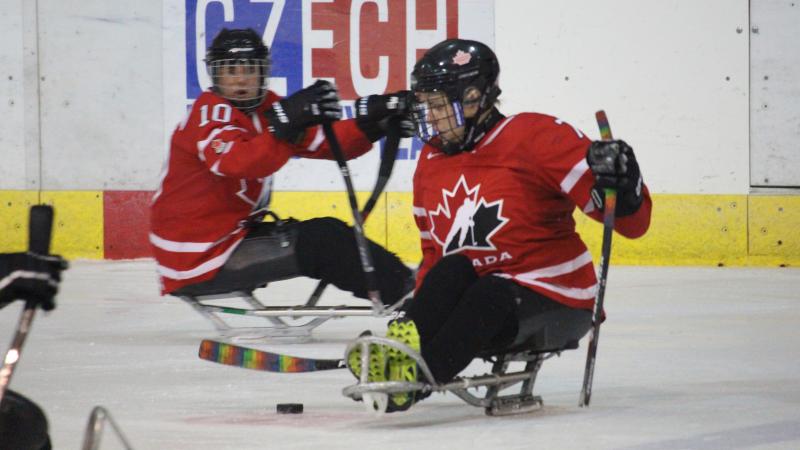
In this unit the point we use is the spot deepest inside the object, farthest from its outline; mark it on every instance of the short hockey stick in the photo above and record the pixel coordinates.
(605, 260)
(40, 229)
(384, 172)
(250, 358)
(358, 221)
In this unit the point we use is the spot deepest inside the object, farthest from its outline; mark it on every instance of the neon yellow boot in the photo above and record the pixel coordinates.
(377, 361)
(402, 367)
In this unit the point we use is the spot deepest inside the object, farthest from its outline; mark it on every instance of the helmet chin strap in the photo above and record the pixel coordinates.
(251, 104)
(244, 106)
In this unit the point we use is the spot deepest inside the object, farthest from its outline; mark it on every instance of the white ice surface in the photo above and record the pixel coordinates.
(700, 358)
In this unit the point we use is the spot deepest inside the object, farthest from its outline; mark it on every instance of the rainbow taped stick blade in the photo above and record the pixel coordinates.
(602, 122)
(250, 358)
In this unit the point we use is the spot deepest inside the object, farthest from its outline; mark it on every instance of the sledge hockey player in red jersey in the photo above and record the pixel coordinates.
(493, 201)
(207, 230)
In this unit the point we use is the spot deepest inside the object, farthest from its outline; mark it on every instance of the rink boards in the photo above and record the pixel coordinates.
(729, 230)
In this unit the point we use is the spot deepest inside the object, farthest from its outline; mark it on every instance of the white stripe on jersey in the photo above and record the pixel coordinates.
(317, 141)
(180, 247)
(420, 212)
(215, 168)
(497, 131)
(585, 294)
(241, 194)
(574, 175)
(559, 269)
(208, 266)
(425, 235)
(201, 145)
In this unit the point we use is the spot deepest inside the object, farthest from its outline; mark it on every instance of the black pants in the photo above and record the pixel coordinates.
(323, 248)
(23, 425)
(461, 316)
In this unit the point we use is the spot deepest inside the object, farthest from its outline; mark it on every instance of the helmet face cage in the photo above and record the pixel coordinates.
(439, 117)
(438, 120)
(230, 78)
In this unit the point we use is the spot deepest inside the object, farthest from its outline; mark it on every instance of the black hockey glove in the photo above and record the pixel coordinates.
(374, 112)
(614, 166)
(289, 117)
(30, 277)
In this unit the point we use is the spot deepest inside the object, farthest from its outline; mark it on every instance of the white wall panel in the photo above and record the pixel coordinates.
(101, 94)
(775, 93)
(105, 83)
(671, 74)
(13, 101)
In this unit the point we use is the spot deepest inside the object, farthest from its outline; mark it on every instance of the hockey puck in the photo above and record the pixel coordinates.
(290, 408)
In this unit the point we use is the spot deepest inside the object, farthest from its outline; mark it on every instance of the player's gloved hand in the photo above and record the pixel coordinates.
(614, 166)
(375, 113)
(30, 277)
(289, 117)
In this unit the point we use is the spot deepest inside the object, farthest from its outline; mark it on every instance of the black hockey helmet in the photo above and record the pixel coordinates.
(467, 73)
(238, 48)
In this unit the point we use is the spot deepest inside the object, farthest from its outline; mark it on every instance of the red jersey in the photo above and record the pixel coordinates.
(507, 205)
(218, 172)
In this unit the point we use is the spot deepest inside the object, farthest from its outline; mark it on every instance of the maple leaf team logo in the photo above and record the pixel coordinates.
(218, 146)
(461, 57)
(466, 221)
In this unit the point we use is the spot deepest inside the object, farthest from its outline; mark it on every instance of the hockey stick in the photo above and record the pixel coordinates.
(384, 172)
(388, 159)
(250, 358)
(294, 311)
(605, 259)
(358, 221)
(40, 229)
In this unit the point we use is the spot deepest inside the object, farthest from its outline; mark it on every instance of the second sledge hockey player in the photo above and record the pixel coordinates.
(207, 229)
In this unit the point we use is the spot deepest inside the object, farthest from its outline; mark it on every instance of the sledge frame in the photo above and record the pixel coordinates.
(289, 322)
(499, 379)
